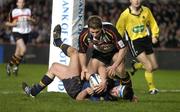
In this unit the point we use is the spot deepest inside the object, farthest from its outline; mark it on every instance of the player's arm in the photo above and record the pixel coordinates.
(11, 21)
(31, 19)
(83, 61)
(154, 27)
(82, 55)
(11, 24)
(121, 45)
(121, 54)
(83, 94)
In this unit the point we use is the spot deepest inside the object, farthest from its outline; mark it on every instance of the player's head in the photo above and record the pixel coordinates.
(95, 25)
(122, 91)
(135, 3)
(20, 3)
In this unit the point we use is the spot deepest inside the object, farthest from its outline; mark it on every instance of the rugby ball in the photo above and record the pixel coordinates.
(94, 80)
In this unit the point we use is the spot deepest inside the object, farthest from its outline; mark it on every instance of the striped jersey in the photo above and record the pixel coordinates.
(109, 40)
(23, 25)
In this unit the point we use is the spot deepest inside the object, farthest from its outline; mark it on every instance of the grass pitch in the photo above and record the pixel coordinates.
(12, 98)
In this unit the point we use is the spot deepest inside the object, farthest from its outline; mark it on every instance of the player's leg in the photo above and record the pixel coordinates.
(74, 67)
(55, 70)
(135, 65)
(121, 72)
(59, 70)
(154, 64)
(153, 61)
(148, 72)
(20, 51)
(93, 66)
(17, 57)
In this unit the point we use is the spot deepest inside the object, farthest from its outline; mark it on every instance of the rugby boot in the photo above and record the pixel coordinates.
(27, 89)
(15, 70)
(8, 70)
(133, 71)
(57, 36)
(153, 91)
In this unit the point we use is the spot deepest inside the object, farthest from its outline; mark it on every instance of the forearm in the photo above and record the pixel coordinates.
(83, 94)
(10, 24)
(82, 58)
(121, 55)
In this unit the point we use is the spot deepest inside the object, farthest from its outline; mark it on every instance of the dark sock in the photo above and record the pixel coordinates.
(58, 42)
(37, 88)
(15, 60)
(126, 80)
(64, 48)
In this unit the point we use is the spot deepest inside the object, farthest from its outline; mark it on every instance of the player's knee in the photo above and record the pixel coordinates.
(53, 67)
(121, 71)
(155, 67)
(73, 51)
(149, 68)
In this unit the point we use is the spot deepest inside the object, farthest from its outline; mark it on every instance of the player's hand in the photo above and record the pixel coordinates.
(14, 23)
(154, 40)
(111, 70)
(101, 87)
(83, 73)
(90, 91)
(31, 19)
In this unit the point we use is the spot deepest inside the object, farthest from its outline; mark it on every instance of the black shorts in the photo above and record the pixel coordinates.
(106, 58)
(25, 37)
(141, 45)
(73, 86)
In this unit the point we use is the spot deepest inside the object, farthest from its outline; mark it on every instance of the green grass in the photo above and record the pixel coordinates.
(12, 98)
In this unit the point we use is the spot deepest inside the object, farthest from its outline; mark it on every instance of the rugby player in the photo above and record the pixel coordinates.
(20, 21)
(70, 75)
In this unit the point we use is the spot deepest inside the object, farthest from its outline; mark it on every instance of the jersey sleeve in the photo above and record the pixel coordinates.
(82, 42)
(153, 25)
(120, 25)
(120, 42)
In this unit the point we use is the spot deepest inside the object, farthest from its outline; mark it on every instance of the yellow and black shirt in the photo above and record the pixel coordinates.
(136, 26)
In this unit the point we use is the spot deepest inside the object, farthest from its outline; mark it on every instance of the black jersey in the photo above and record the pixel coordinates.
(109, 40)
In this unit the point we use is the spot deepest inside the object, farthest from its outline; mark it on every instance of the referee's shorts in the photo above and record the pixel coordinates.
(141, 45)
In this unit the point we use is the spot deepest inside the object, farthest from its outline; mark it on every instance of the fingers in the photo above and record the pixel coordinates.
(82, 75)
(100, 88)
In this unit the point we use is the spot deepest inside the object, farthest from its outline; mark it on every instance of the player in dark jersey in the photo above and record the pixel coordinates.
(70, 75)
(108, 51)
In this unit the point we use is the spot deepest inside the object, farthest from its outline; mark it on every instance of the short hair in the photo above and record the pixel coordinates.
(95, 22)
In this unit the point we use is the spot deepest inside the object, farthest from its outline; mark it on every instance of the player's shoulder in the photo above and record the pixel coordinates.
(107, 25)
(127, 10)
(84, 32)
(145, 8)
(27, 9)
(15, 10)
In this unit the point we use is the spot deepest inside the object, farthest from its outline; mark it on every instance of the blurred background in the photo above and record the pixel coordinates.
(166, 12)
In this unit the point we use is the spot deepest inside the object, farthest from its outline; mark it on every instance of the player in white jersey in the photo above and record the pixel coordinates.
(20, 21)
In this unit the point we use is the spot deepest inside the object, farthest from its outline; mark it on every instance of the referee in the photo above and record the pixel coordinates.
(138, 26)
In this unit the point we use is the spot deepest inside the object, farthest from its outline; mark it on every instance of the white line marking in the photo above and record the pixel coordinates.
(170, 91)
